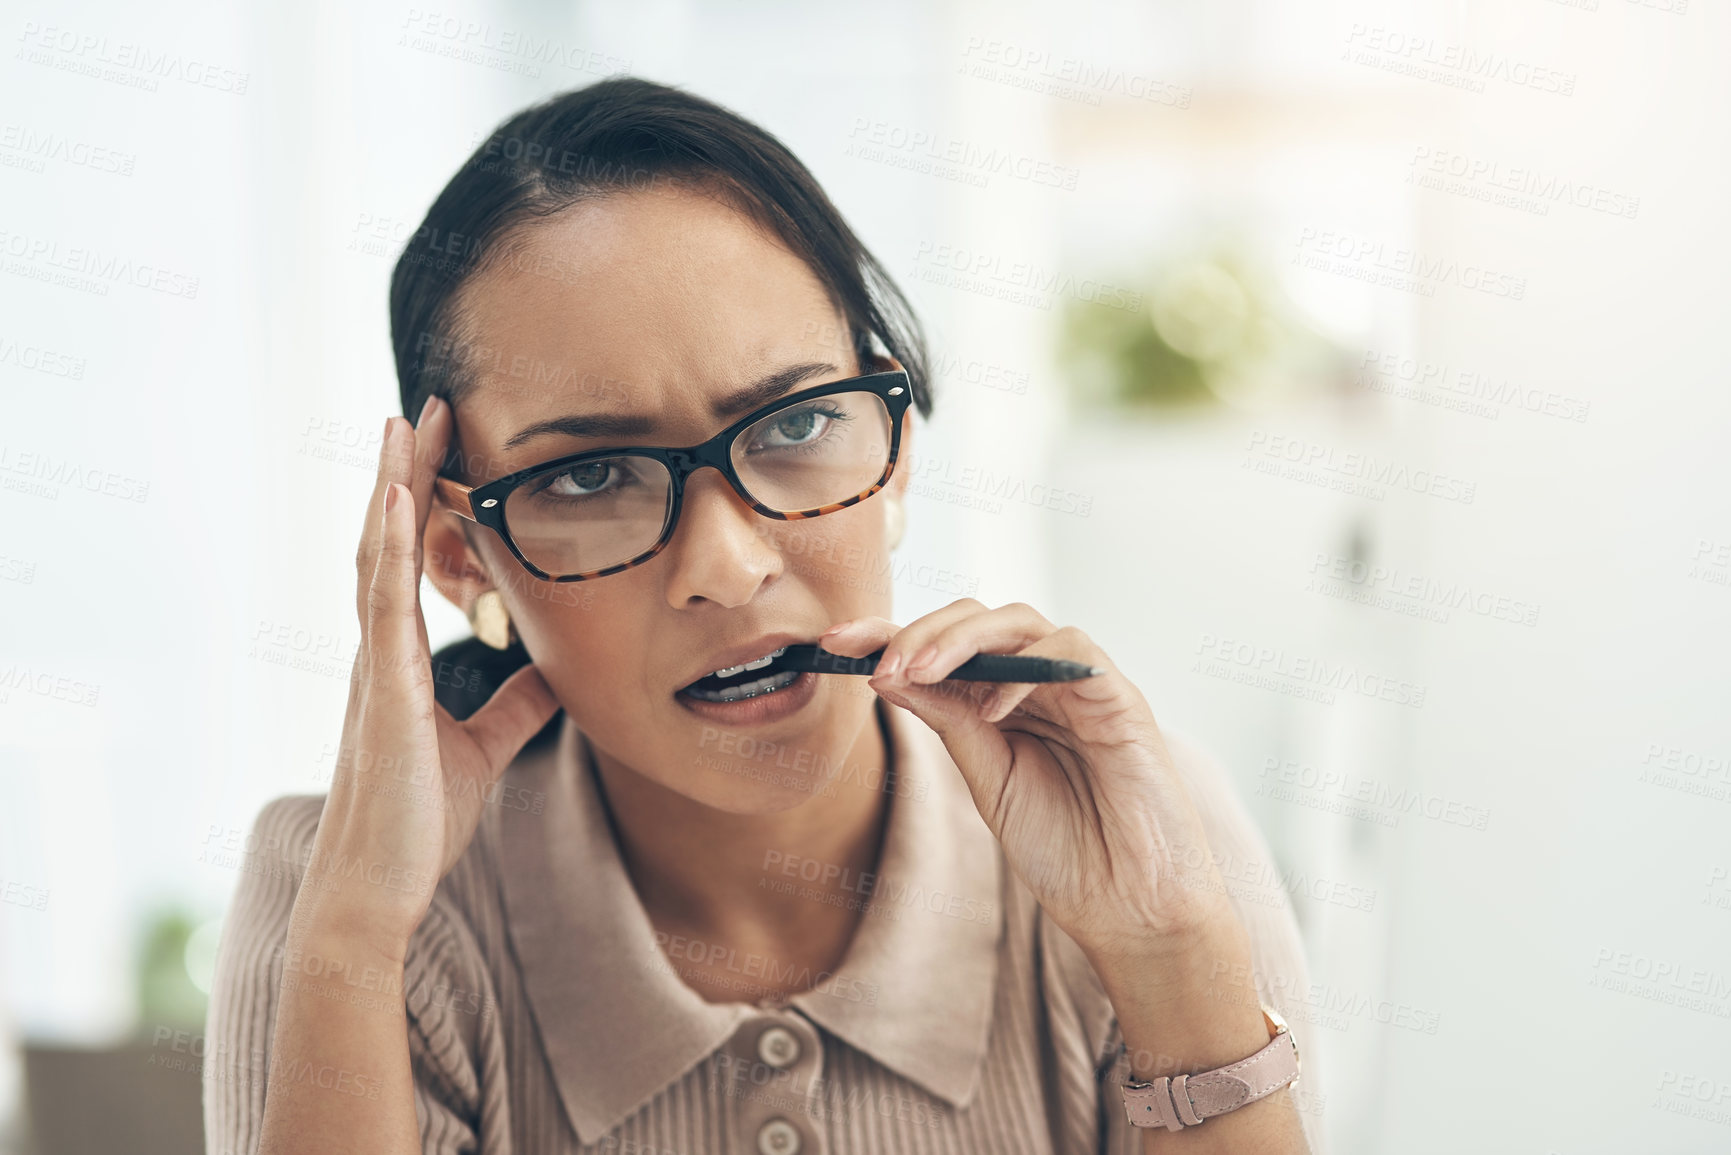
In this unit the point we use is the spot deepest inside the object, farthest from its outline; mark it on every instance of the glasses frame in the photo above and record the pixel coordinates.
(485, 504)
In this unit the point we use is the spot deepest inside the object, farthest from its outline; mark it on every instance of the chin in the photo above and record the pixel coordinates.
(746, 786)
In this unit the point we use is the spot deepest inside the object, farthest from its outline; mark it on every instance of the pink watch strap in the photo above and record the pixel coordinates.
(1179, 1101)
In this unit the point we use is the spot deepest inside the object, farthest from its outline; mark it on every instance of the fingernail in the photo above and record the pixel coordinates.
(890, 664)
(426, 408)
(840, 627)
(923, 659)
(390, 496)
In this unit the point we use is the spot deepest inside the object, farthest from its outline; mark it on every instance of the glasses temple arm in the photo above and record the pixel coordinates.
(455, 495)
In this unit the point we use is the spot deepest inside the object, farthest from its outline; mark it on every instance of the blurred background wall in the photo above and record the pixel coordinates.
(1354, 373)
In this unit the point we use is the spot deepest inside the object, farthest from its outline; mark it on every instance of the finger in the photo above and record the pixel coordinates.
(392, 616)
(1009, 695)
(432, 434)
(980, 751)
(1106, 707)
(867, 634)
(393, 466)
(515, 713)
(912, 640)
(859, 637)
(1058, 703)
(1005, 630)
(966, 714)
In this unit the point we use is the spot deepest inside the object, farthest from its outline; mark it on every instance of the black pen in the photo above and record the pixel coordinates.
(979, 668)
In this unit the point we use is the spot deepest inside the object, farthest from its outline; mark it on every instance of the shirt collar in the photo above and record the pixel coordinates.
(618, 1024)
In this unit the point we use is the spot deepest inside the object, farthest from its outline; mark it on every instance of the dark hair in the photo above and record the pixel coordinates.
(619, 135)
(622, 134)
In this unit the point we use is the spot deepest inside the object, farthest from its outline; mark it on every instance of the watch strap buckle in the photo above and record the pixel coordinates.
(1162, 1102)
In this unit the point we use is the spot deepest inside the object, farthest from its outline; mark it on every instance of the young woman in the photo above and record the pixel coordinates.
(657, 894)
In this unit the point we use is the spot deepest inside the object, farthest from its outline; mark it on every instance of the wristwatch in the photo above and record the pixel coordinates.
(1178, 1101)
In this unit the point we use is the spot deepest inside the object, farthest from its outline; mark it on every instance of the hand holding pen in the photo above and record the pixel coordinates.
(1066, 767)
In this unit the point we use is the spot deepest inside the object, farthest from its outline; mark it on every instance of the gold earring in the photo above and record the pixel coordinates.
(897, 520)
(491, 621)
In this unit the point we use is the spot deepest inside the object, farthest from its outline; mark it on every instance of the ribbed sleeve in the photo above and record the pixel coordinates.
(249, 962)
(450, 1001)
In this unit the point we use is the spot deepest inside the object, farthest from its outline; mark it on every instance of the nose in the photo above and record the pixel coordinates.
(716, 553)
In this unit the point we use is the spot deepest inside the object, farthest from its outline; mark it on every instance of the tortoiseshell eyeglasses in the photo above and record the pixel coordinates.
(595, 513)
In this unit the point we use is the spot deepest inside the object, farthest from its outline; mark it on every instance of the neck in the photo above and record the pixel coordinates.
(790, 885)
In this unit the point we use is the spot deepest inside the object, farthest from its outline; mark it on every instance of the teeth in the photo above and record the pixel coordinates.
(729, 671)
(748, 689)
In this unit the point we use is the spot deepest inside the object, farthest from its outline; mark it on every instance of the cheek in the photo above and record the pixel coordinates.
(532, 601)
(594, 650)
(842, 555)
(572, 628)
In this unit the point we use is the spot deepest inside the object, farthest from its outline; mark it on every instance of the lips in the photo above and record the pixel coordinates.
(742, 654)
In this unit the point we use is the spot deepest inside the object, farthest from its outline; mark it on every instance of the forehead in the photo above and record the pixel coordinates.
(647, 302)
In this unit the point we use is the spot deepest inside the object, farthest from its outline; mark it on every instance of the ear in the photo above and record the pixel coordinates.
(450, 560)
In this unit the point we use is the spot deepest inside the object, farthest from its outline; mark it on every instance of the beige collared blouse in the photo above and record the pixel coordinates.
(545, 1016)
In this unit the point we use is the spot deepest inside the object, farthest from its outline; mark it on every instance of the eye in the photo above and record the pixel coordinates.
(586, 480)
(803, 425)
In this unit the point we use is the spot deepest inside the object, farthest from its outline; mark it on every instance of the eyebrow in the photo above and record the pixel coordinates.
(759, 393)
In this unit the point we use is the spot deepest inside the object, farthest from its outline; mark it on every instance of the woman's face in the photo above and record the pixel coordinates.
(657, 304)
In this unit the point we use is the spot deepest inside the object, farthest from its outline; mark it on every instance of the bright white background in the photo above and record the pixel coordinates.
(1531, 944)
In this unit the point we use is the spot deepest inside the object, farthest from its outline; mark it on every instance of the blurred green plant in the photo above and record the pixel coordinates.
(1213, 328)
(168, 996)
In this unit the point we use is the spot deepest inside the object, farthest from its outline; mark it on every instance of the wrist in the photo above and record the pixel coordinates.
(363, 974)
(1185, 1003)
(1214, 933)
(327, 924)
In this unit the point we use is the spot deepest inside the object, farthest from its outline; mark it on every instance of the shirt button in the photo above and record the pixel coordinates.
(778, 1046)
(778, 1137)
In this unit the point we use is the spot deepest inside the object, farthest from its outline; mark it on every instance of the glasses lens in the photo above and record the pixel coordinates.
(610, 510)
(815, 453)
(591, 516)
